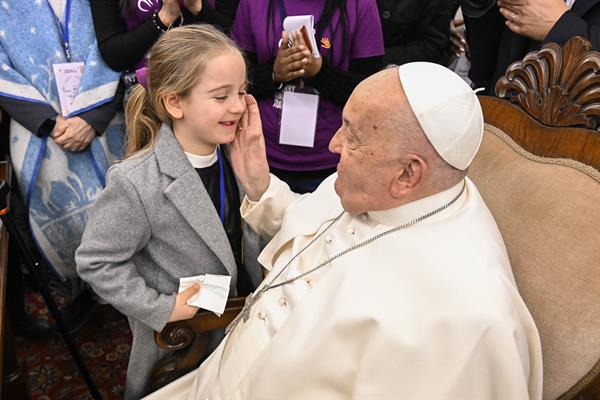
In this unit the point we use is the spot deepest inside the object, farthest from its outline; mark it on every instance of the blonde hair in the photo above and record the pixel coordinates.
(175, 62)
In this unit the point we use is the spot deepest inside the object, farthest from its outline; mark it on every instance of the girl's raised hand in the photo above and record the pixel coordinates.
(248, 153)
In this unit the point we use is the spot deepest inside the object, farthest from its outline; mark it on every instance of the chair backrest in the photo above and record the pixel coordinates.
(541, 180)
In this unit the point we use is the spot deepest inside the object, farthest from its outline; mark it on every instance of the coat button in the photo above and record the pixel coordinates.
(386, 14)
(282, 301)
(261, 315)
(351, 230)
(309, 282)
(328, 239)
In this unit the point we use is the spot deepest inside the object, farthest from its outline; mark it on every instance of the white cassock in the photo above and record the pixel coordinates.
(431, 311)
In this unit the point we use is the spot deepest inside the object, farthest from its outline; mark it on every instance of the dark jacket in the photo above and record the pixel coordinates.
(415, 30)
(494, 47)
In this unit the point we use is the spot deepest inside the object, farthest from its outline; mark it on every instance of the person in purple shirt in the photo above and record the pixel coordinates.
(350, 41)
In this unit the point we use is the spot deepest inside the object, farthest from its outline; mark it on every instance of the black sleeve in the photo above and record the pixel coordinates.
(475, 8)
(120, 49)
(570, 24)
(261, 77)
(337, 85)
(100, 117)
(429, 41)
(221, 16)
(484, 35)
(31, 115)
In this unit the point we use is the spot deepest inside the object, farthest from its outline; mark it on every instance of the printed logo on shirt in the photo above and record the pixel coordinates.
(146, 5)
(325, 42)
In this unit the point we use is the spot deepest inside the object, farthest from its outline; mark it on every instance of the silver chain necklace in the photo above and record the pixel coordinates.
(245, 314)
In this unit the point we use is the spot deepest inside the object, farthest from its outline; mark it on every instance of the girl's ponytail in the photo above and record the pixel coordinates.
(141, 121)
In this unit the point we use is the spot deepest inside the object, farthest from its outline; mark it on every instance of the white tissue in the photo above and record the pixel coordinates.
(213, 293)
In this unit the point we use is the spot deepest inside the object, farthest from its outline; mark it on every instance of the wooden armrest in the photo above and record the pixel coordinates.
(187, 341)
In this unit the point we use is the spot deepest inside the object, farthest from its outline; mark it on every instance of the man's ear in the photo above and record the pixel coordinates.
(409, 177)
(173, 105)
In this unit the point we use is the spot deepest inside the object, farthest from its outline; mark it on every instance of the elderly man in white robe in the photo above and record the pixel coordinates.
(391, 280)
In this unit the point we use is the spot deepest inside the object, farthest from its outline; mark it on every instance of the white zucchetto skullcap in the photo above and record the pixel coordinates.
(447, 109)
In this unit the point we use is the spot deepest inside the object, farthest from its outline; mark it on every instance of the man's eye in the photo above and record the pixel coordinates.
(220, 98)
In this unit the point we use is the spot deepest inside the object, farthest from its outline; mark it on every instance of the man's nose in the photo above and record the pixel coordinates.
(335, 143)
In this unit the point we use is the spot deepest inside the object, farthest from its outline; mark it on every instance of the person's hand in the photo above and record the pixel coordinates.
(169, 12)
(194, 6)
(458, 42)
(313, 65)
(77, 134)
(248, 153)
(59, 127)
(290, 61)
(182, 310)
(532, 18)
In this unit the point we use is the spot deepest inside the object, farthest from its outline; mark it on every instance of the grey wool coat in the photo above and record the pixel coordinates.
(153, 224)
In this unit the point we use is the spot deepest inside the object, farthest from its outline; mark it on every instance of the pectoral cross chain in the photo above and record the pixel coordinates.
(246, 312)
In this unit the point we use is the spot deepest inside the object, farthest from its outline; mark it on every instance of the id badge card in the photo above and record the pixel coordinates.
(298, 119)
(68, 77)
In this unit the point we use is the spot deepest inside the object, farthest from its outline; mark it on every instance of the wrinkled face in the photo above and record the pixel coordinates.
(216, 103)
(367, 160)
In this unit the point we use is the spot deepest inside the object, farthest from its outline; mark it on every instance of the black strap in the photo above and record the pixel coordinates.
(282, 10)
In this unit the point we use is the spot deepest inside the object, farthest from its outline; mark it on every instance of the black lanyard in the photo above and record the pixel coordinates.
(282, 10)
(221, 187)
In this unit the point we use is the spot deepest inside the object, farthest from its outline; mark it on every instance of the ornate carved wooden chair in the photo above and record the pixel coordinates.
(540, 178)
(187, 341)
(538, 171)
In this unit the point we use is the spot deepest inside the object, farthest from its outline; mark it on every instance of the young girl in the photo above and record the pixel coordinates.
(171, 209)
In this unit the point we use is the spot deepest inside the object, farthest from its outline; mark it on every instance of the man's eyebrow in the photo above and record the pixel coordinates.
(351, 129)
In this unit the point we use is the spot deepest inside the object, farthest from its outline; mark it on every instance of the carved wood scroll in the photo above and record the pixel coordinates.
(556, 86)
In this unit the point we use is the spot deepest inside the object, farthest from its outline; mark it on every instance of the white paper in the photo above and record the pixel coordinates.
(298, 119)
(294, 23)
(213, 293)
(68, 78)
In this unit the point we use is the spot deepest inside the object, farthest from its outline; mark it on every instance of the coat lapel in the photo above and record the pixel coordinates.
(190, 198)
(580, 7)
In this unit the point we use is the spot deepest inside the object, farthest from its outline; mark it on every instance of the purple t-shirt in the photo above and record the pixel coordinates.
(251, 31)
